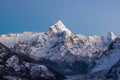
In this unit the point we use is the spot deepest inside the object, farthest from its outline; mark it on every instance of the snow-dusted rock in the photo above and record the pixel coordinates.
(58, 28)
(16, 67)
(109, 58)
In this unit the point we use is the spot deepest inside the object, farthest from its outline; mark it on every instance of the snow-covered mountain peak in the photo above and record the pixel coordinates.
(60, 27)
(58, 47)
(59, 23)
(111, 35)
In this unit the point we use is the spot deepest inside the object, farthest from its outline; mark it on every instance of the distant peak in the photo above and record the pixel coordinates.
(60, 27)
(111, 35)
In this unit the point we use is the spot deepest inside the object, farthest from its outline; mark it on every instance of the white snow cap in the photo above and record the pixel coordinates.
(60, 27)
(111, 35)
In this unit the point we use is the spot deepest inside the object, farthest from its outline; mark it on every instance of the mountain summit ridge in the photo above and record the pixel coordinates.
(60, 27)
(72, 54)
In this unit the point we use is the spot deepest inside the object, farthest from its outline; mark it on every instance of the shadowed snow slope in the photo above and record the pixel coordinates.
(14, 66)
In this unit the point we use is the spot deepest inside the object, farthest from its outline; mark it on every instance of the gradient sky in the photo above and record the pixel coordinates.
(88, 17)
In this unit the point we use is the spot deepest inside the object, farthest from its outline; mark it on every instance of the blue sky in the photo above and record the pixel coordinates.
(88, 17)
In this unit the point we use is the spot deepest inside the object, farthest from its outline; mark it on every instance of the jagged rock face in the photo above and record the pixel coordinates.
(13, 67)
(106, 66)
(115, 44)
(22, 47)
(114, 72)
(108, 58)
(58, 28)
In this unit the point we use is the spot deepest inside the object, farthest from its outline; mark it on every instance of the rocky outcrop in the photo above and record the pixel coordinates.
(12, 66)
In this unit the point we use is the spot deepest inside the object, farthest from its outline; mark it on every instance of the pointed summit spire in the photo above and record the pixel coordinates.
(59, 23)
(60, 27)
